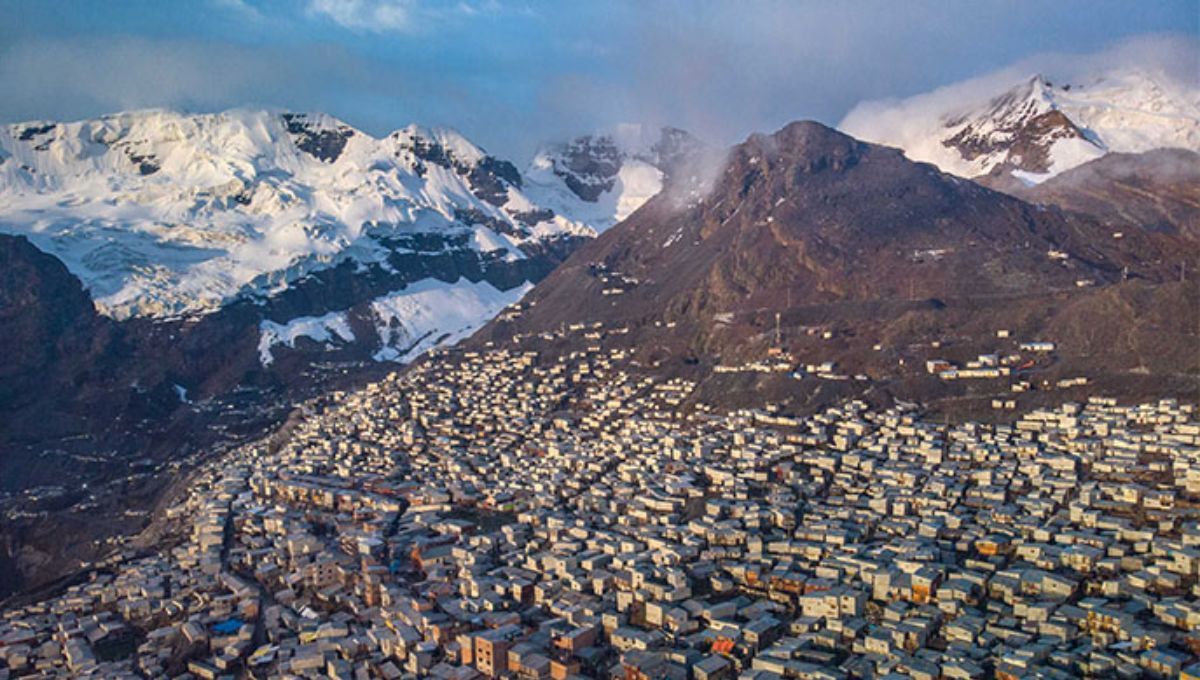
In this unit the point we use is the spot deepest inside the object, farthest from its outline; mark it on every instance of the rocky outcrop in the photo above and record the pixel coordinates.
(322, 143)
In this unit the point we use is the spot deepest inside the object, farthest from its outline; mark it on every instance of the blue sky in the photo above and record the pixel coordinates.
(513, 73)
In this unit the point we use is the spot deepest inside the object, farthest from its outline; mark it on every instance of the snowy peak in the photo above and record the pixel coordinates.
(1037, 127)
(601, 178)
(155, 147)
(1019, 131)
(442, 147)
(488, 176)
(587, 165)
(1015, 107)
(320, 136)
(161, 213)
(1133, 110)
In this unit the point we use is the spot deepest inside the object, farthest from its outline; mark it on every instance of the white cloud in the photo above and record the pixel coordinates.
(403, 16)
(377, 16)
(240, 7)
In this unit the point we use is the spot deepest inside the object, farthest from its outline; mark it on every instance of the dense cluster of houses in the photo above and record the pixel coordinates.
(506, 514)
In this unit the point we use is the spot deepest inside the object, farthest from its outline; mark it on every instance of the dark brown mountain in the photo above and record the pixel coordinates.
(53, 343)
(852, 240)
(1157, 191)
(46, 315)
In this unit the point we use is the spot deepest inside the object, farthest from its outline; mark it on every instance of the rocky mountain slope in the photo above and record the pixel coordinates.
(1027, 131)
(846, 251)
(1157, 190)
(52, 332)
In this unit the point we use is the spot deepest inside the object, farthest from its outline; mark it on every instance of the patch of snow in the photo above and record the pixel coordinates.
(318, 328)
(485, 241)
(1031, 178)
(1070, 152)
(636, 182)
(431, 313)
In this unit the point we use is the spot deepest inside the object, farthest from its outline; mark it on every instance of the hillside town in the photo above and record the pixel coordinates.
(508, 514)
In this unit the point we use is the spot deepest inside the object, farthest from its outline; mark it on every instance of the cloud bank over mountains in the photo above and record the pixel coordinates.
(512, 74)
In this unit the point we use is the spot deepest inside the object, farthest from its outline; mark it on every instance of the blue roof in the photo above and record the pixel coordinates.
(228, 626)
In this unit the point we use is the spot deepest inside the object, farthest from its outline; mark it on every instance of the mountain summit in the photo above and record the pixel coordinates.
(1036, 128)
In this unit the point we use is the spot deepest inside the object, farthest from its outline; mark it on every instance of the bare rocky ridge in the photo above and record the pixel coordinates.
(1157, 191)
(834, 234)
(47, 317)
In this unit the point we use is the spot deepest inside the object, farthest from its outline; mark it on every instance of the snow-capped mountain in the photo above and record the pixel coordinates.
(600, 179)
(163, 214)
(166, 272)
(1037, 127)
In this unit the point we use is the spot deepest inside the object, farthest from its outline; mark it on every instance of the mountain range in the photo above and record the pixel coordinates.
(163, 214)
